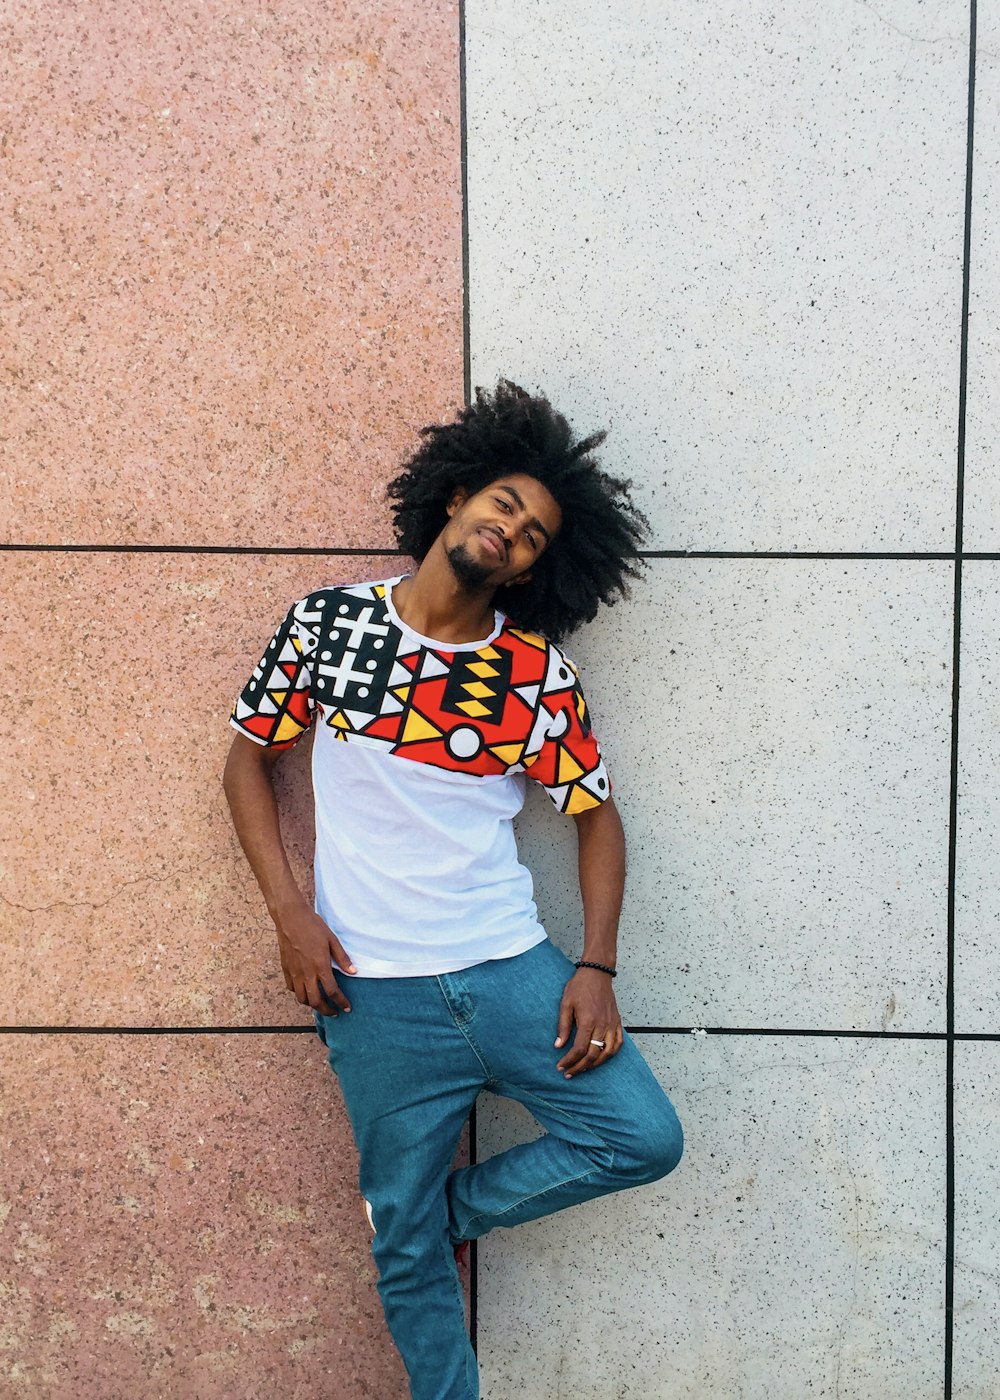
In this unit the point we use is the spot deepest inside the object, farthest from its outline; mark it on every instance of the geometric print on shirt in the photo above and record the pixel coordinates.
(513, 705)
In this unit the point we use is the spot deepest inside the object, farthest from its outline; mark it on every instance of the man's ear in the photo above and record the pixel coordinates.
(458, 498)
(519, 579)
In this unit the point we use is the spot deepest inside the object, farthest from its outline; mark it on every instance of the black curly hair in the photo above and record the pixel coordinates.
(595, 553)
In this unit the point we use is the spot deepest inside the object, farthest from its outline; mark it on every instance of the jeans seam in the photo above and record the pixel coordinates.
(535, 1195)
(558, 1111)
(465, 1036)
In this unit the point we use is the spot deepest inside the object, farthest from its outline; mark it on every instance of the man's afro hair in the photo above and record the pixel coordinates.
(595, 553)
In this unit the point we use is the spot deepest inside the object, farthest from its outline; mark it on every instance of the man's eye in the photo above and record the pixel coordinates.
(504, 505)
(530, 538)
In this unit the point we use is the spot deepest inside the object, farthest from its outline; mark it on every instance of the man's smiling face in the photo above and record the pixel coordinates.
(495, 536)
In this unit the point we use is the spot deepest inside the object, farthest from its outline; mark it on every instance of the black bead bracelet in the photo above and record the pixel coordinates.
(600, 967)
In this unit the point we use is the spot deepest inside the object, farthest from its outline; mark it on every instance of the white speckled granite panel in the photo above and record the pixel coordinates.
(797, 1251)
(733, 234)
(982, 480)
(977, 876)
(778, 733)
(977, 1228)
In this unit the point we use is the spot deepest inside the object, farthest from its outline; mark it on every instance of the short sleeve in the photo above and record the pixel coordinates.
(569, 765)
(276, 705)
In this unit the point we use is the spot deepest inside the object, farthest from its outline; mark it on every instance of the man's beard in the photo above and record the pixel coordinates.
(469, 574)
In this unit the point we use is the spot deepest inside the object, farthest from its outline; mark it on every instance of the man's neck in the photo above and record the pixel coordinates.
(434, 603)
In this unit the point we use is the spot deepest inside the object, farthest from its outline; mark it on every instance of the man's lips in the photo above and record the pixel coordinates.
(495, 541)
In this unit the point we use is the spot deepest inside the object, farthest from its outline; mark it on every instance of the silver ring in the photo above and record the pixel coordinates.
(598, 1042)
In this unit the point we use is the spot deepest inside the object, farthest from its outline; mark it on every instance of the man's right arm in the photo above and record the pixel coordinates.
(306, 944)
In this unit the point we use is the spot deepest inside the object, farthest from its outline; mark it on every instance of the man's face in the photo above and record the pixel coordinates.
(495, 536)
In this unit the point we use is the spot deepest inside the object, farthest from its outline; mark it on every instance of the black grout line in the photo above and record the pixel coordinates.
(464, 164)
(158, 1030)
(832, 555)
(467, 398)
(789, 1032)
(933, 556)
(473, 1250)
(963, 386)
(379, 551)
(949, 1073)
(347, 551)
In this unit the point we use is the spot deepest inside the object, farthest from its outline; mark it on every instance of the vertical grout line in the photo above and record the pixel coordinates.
(963, 383)
(473, 1252)
(949, 1248)
(467, 396)
(464, 147)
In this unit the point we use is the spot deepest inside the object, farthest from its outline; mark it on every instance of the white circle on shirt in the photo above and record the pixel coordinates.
(464, 742)
(560, 727)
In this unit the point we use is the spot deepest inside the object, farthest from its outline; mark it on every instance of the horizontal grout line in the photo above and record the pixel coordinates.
(806, 1031)
(352, 551)
(788, 1031)
(157, 1030)
(347, 551)
(834, 554)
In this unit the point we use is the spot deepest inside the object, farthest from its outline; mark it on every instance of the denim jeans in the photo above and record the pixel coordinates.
(411, 1057)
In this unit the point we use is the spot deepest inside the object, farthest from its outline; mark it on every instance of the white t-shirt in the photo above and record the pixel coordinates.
(419, 765)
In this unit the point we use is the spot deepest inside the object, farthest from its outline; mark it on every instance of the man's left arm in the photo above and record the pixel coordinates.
(589, 998)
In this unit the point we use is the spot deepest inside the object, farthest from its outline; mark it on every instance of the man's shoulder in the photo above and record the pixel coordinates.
(312, 608)
(535, 641)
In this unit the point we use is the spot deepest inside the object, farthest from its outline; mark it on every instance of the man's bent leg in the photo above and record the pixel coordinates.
(409, 1080)
(607, 1129)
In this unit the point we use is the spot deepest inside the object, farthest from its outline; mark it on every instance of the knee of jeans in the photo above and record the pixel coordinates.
(653, 1151)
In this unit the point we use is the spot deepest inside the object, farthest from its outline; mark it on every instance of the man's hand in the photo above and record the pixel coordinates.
(308, 948)
(589, 1001)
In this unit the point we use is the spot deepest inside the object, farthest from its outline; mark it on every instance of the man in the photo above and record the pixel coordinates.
(424, 961)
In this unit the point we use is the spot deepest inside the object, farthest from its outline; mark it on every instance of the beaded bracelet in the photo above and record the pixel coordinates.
(601, 967)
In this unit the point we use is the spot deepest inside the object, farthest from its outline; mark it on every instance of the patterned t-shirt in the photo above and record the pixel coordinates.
(419, 763)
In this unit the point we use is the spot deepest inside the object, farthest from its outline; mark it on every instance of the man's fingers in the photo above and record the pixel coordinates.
(565, 1025)
(583, 1053)
(328, 1000)
(588, 1052)
(328, 990)
(340, 957)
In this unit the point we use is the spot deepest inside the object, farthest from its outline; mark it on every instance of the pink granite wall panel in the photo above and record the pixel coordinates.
(121, 880)
(179, 1218)
(232, 268)
(231, 293)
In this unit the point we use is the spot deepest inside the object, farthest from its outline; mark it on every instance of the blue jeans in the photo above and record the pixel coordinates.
(411, 1057)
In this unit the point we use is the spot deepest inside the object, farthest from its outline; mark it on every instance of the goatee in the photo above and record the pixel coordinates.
(469, 574)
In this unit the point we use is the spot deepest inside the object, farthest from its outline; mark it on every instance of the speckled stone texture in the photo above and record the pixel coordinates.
(982, 465)
(977, 889)
(122, 885)
(232, 265)
(733, 234)
(778, 734)
(977, 1229)
(179, 1218)
(796, 1251)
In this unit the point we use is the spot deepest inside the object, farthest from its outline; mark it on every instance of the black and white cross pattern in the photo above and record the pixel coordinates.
(354, 656)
